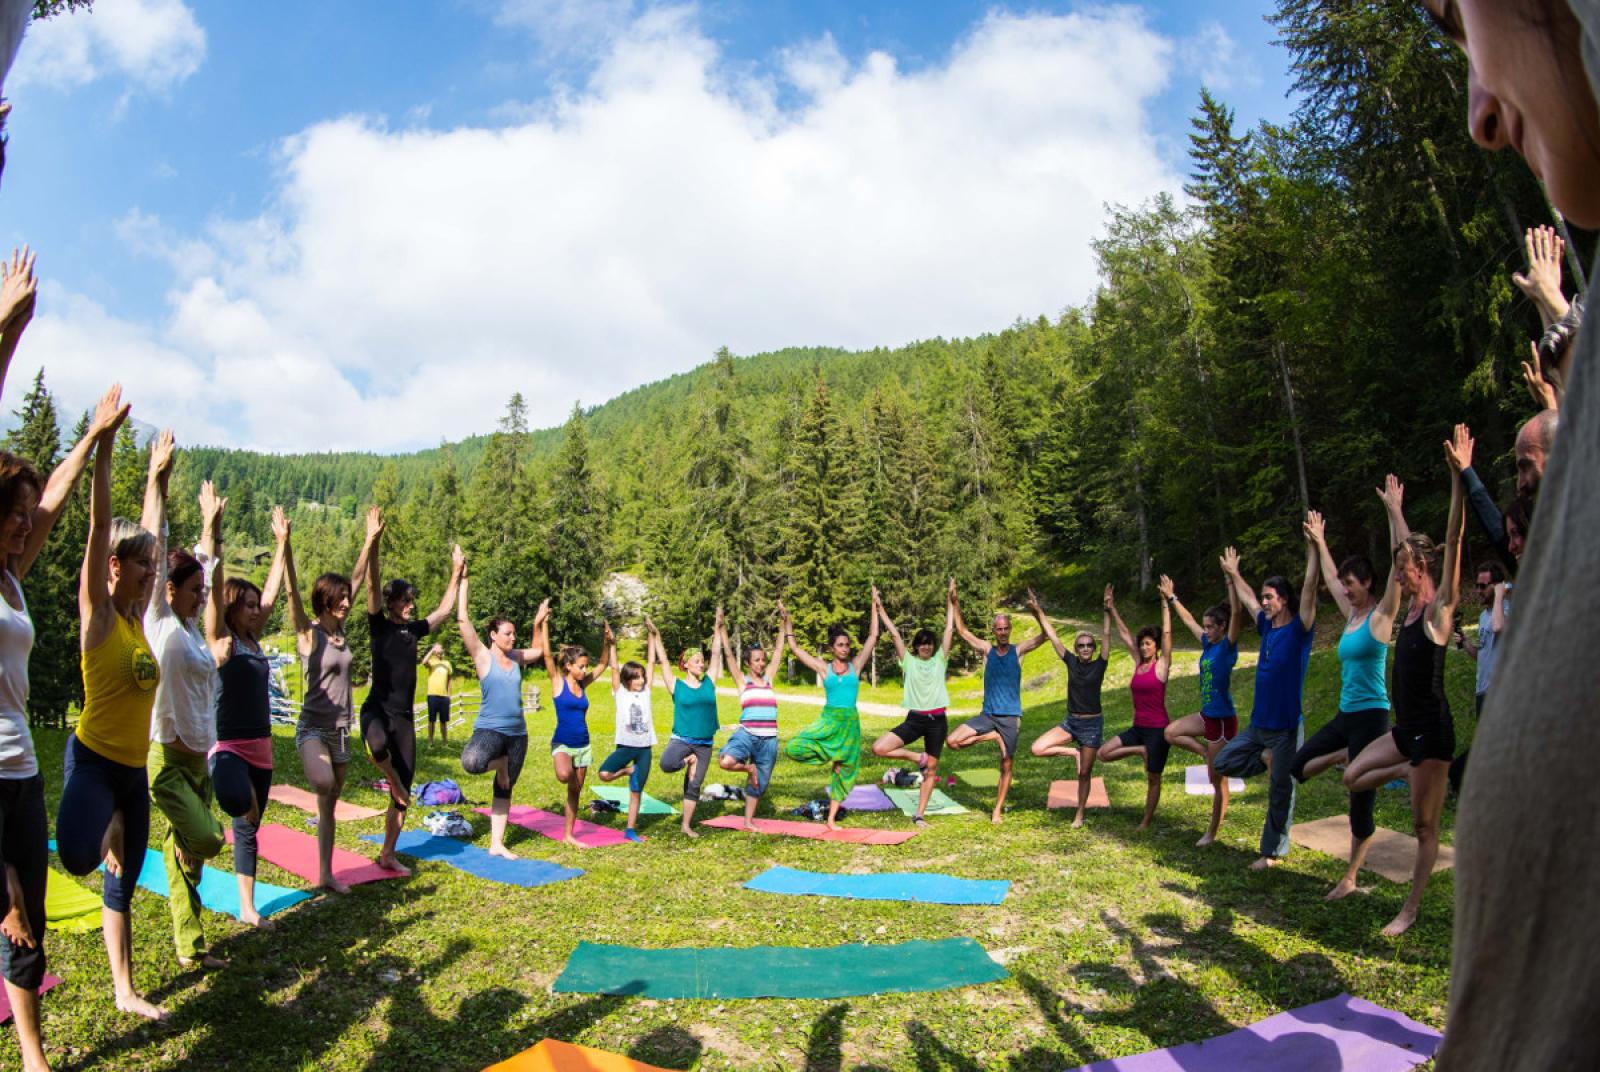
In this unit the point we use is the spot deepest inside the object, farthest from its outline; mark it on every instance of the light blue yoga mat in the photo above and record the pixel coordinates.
(898, 886)
(219, 890)
(477, 862)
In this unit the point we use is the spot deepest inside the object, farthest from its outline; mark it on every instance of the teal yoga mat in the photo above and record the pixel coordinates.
(918, 887)
(938, 804)
(766, 971)
(478, 862)
(219, 890)
(648, 805)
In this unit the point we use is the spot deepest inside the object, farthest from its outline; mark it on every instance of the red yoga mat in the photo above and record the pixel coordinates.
(1064, 794)
(50, 983)
(815, 831)
(296, 797)
(551, 826)
(296, 853)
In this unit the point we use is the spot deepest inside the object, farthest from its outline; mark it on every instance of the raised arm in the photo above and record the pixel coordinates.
(659, 650)
(367, 571)
(1316, 534)
(1045, 628)
(809, 661)
(1164, 664)
(1542, 281)
(714, 663)
(1444, 605)
(1235, 611)
(541, 639)
(153, 518)
(608, 651)
(18, 290)
(1393, 495)
(274, 585)
(94, 595)
(1122, 628)
(975, 642)
(477, 651)
(1169, 597)
(894, 634)
(65, 476)
(217, 637)
(282, 530)
(724, 649)
(535, 650)
(1497, 615)
(949, 626)
(458, 569)
(1241, 591)
(1308, 587)
(869, 645)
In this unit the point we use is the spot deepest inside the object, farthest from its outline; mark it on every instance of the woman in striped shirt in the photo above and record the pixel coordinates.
(753, 748)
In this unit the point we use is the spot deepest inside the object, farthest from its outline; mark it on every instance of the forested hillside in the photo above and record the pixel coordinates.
(1317, 308)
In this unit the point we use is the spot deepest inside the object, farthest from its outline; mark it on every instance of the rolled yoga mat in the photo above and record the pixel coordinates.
(551, 826)
(49, 983)
(219, 890)
(618, 794)
(1197, 783)
(1330, 1036)
(551, 1055)
(69, 905)
(938, 804)
(839, 971)
(867, 798)
(296, 853)
(296, 797)
(477, 862)
(1389, 853)
(1064, 794)
(816, 831)
(921, 888)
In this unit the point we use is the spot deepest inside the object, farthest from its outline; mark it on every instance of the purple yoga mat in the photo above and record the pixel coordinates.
(1330, 1036)
(868, 798)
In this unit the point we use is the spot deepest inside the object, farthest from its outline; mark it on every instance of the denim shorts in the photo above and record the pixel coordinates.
(746, 747)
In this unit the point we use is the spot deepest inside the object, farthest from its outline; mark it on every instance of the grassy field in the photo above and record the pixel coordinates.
(1117, 942)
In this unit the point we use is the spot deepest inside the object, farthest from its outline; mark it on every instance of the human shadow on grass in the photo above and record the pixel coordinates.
(825, 1046)
(667, 1047)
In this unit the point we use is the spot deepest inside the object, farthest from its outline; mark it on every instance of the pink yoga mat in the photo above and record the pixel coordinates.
(1330, 1036)
(1198, 784)
(551, 826)
(50, 983)
(296, 797)
(296, 853)
(815, 831)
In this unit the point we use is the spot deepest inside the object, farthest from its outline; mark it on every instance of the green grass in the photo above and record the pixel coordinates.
(1116, 941)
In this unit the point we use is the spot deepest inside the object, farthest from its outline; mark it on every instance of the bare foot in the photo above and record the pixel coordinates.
(332, 885)
(1205, 839)
(1401, 923)
(252, 918)
(831, 825)
(1263, 862)
(503, 852)
(1077, 823)
(389, 862)
(753, 779)
(997, 818)
(206, 961)
(573, 841)
(111, 846)
(1345, 888)
(1143, 826)
(689, 833)
(15, 926)
(140, 1007)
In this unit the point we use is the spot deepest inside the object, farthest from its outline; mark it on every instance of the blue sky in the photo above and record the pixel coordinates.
(363, 224)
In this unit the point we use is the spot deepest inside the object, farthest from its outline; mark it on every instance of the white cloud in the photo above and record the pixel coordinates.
(568, 27)
(402, 283)
(153, 44)
(1213, 56)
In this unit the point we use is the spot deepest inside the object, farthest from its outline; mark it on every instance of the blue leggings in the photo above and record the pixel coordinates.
(238, 785)
(95, 788)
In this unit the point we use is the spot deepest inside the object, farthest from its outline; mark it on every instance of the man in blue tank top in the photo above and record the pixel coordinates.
(1001, 718)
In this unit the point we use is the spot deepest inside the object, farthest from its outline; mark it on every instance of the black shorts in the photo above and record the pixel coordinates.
(1004, 726)
(931, 730)
(1154, 740)
(1431, 741)
(438, 711)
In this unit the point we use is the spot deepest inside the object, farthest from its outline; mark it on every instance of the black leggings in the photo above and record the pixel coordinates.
(675, 757)
(23, 837)
(1352, 730)
(486, 746)
(238, 786)
(97, 787)
(392, 739)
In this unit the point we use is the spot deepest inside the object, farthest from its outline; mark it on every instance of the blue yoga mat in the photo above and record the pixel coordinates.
(899, 886)
(219, 890)
(477, 862)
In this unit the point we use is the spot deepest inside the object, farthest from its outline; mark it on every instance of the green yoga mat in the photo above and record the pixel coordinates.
(938, 804)
(68, 905)
(982, 778)
(648, 805)
(766, 971)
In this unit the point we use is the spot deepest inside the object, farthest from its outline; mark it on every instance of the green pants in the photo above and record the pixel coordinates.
(180, 786)
(835, 737)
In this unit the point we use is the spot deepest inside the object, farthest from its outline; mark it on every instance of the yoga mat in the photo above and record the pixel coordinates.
(815, 831)
(983, 778)
(477, 862)
(551, 825)
(899, 886)
(1197, 783)
(938, 804)
(296, 853)
(553, 1056)
(839, 971)
(296, 797)
(1064, 794)
(50, 983)
(867, 798)
(219, 890)
(1389, 853)
(1330, 1036)
(648, 805)
(69, 905)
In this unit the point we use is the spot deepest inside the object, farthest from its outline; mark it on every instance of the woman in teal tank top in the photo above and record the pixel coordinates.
(835, 737)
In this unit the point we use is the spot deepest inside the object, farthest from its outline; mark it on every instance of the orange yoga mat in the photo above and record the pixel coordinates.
(1064, 794)
(553, 1056)
(1389, 853)
(296, 797)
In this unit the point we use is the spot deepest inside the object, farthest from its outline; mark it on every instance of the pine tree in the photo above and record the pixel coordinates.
(38, 435)
(575, 540)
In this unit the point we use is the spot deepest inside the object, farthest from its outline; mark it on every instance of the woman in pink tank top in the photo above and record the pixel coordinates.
(1152, 660)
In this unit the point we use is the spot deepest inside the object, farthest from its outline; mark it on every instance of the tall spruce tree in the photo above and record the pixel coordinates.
(575, 539)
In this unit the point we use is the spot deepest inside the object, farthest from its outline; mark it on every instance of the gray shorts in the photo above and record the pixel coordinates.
(336, 740)
(1088, 731)
(1007, 726)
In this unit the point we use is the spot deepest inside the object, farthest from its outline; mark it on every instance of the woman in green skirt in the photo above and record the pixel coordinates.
(835, 737)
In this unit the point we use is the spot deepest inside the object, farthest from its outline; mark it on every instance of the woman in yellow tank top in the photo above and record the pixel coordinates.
(105, 804)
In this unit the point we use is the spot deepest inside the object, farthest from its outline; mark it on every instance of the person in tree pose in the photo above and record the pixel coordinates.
(499, 740)
(29, 509)
(1276, 729)
(1147, 737)
(694, 719)
(183, 726)
(926, 699)
(1001, 718)
(834, 739)
(1217, 723)
(440, 673)
(241, 760)
(1363, 657)
(327, 715)
(753, 748)
(570, 678)
(635, 735)
(388, 724)
(104, 813)
(1083, 729)
(1423, 741)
